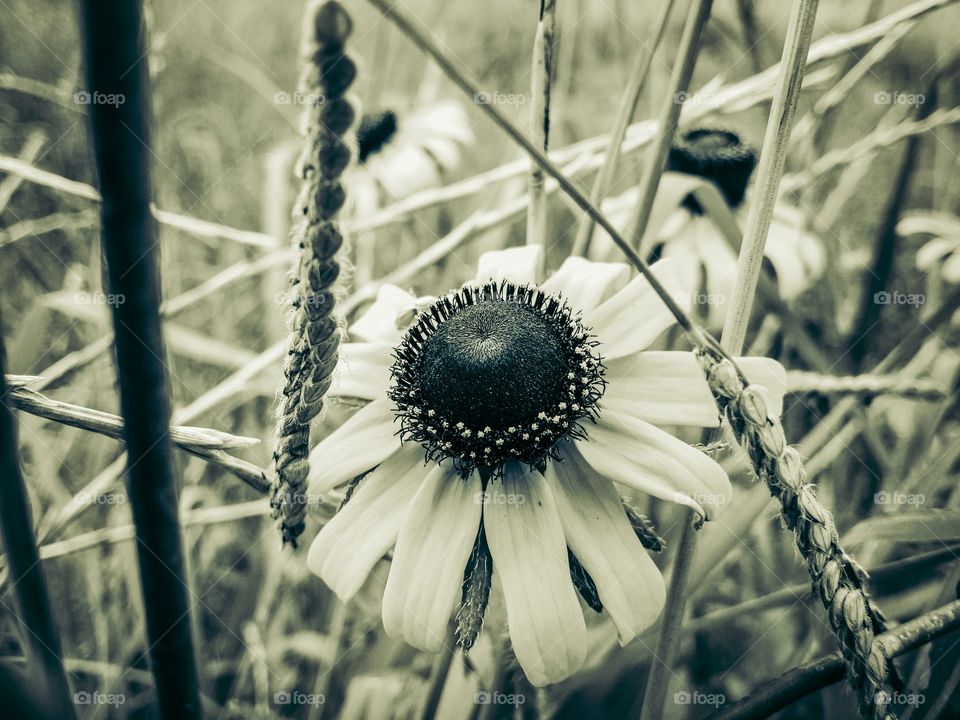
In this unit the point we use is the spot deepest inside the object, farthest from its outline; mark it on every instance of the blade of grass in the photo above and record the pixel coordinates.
(41, 638)
(801, 681)
(540, 84)
(115, 57)
(628, 107)
(773, 154)
(677, 87)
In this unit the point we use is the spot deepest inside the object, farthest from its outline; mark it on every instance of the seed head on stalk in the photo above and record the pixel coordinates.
(314, 335)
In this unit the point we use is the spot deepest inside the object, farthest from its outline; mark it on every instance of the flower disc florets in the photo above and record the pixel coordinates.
(495, 372)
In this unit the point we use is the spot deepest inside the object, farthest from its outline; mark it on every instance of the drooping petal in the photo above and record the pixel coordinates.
(346, 549)
(364, 441)
(585, 284)
(636, 316)
(635, 453)
(597, 530)
(516, 264)
(529, 553)
(798, 257)
(363, 371)
(379, 322)
(669, 388)
(431, 554)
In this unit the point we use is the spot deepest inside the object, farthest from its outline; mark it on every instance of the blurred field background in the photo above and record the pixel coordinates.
(223, 143)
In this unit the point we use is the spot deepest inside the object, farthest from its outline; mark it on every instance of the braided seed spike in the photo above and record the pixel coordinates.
(838, 581)
(314, 337)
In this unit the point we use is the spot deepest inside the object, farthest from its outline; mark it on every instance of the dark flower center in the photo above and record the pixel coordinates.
(375, 131)
(494, 373)
(498, 363)
(716, 155)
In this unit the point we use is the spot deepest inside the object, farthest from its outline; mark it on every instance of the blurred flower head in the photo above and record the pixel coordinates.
(704, 259)
(529, 401)
(401, 154)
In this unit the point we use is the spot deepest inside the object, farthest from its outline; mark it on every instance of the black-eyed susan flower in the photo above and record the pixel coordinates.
(704, 259)
(529, 402)
(401, 154)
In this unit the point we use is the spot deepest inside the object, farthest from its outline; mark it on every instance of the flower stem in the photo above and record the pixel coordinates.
(772, 157)
(115, 54)
(680, 77)
(41, 640)
(540, 86)
(655, 693)
(801, 681)
(628, 106)
(438, 679)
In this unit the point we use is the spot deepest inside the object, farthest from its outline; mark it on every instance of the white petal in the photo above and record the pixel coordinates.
(346, 549)
(600, 535)
(361, 443)
(635, 317)
(432, 551)
(516, 264)
(529, 553)
(951, 268)
(635, 453)
(363, 371)
(585, 284)
(379, 322)
(668, 388)
(797, 257)
(404, 171)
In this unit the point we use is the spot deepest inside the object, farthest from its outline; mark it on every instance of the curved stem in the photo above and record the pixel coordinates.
(801, 681)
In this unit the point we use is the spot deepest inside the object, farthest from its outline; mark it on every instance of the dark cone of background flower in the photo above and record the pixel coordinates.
(375, 131)
(717, 155)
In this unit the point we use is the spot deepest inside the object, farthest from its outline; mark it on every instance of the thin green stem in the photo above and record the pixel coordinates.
(772, 157)
(628, 107)
(669, 118)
